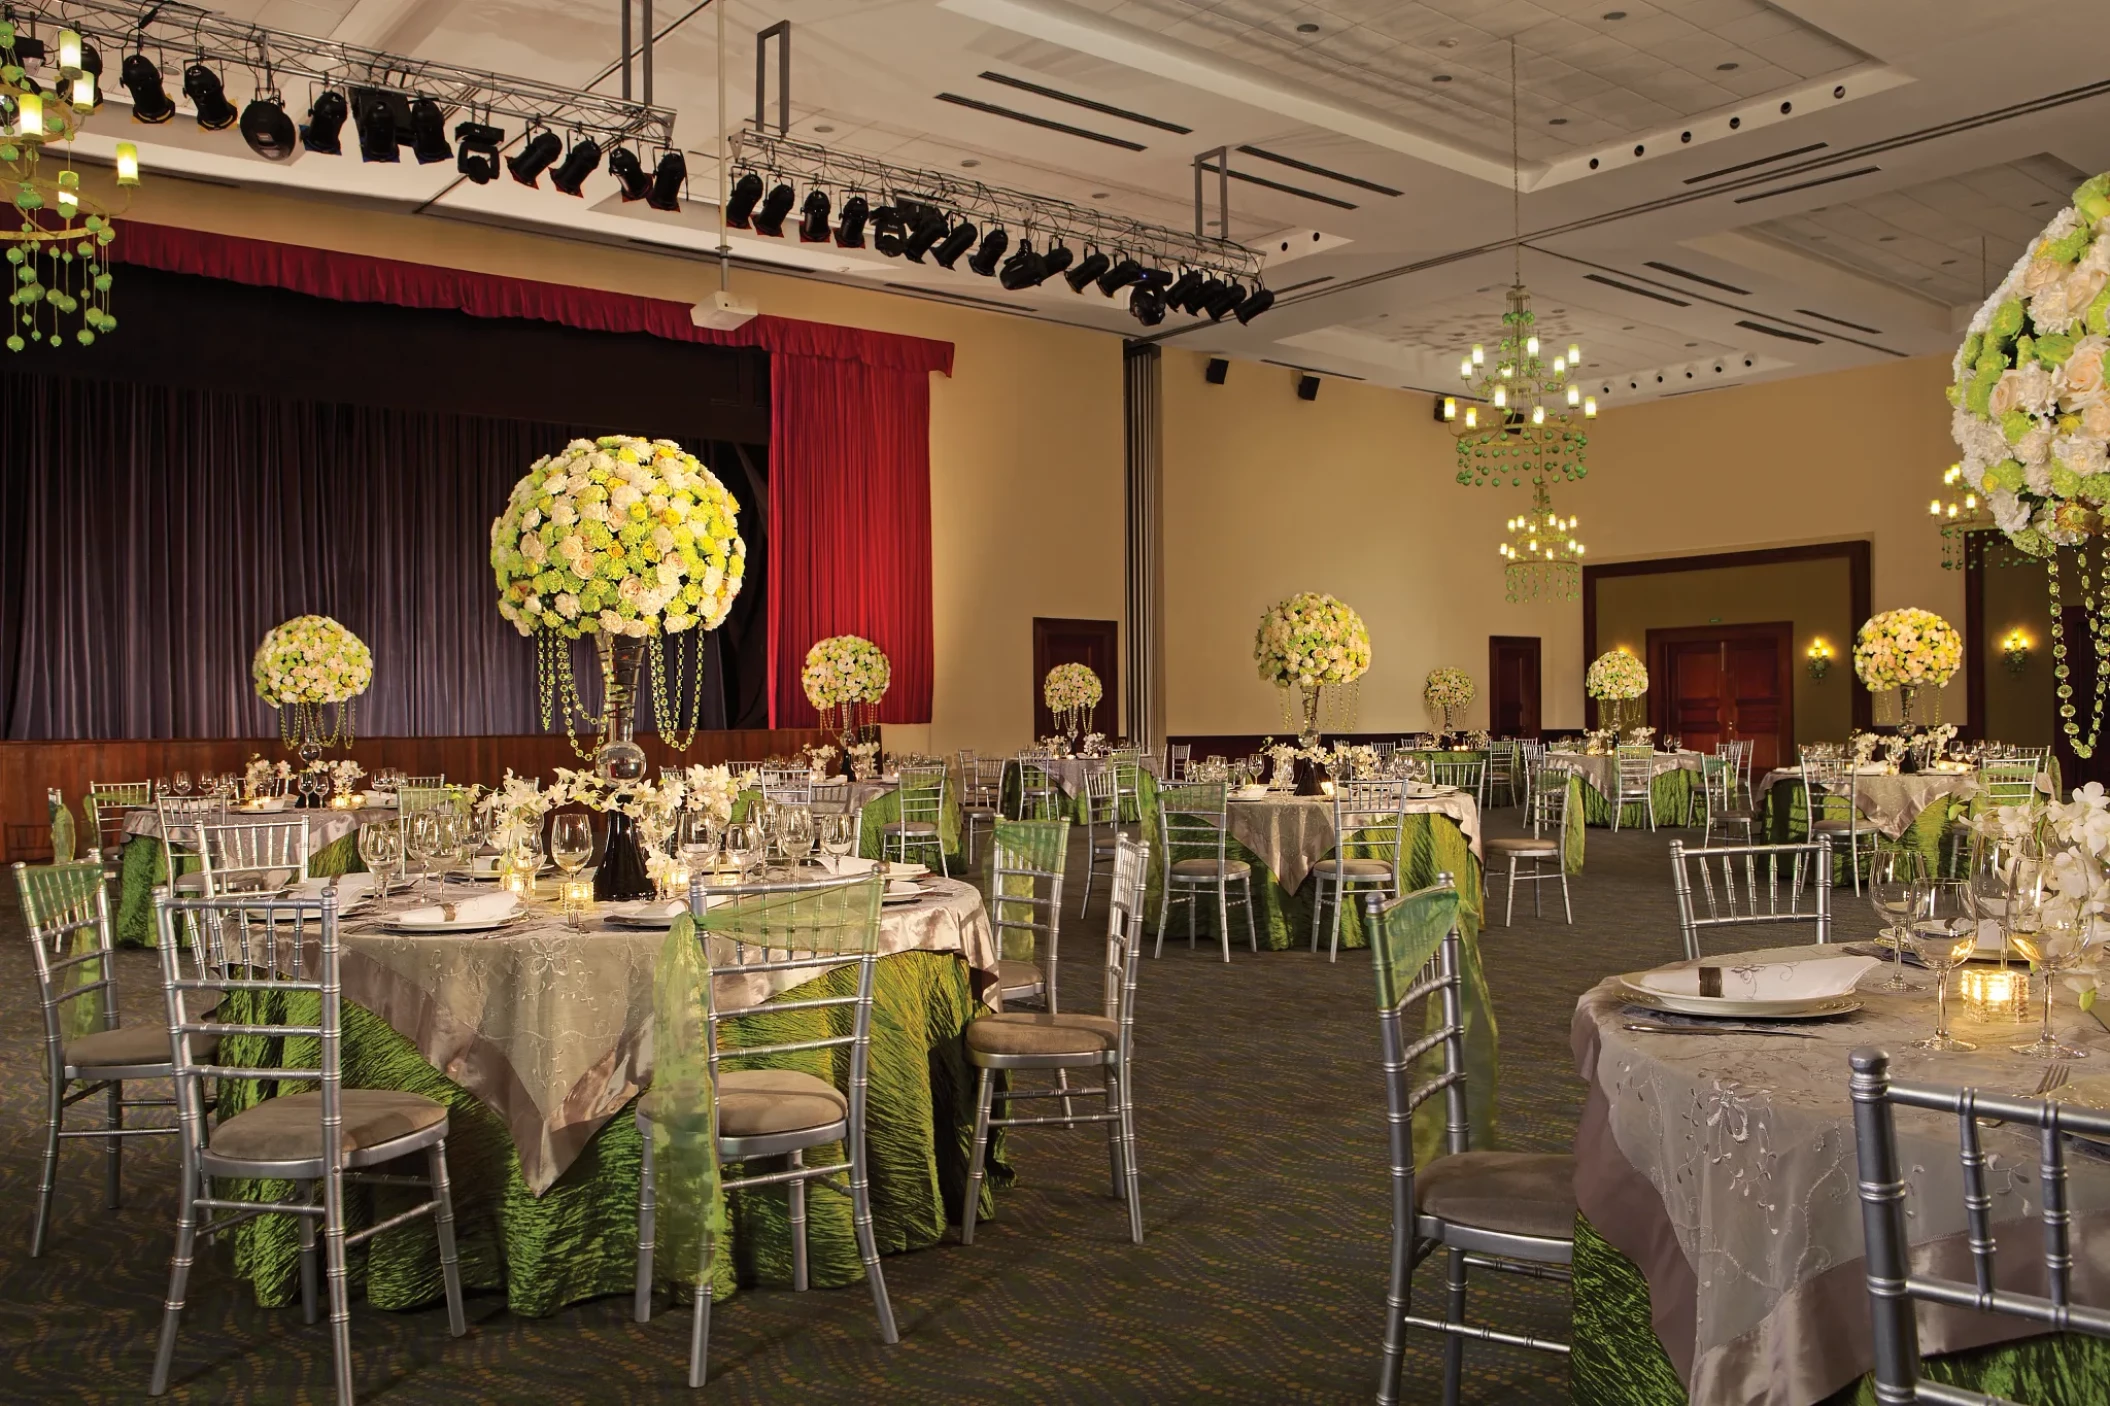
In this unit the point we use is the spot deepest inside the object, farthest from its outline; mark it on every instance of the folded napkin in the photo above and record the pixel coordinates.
(902, 888)
(850, 865)
(653, 909)
(1775, 981)
(351, 888)
(485, 907)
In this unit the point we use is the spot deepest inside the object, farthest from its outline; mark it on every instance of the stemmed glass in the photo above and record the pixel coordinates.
(423, 841)
(380, 848)
(571, 845)
(183, 783)
(1894, 887)
(2000, 865)
(2055, 936)
(696, 838)
(838, 837)
(1944, 934)
(795, 834)
(743, 845)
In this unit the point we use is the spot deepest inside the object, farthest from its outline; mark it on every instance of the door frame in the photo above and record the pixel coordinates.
(1109, 682)
(1536, 712)
(1781, 632)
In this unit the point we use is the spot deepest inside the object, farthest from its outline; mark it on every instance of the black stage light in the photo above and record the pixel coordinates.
(1211, 288)
(375, 121)
(1148, 304)
(1095, 263)
(150, 101)
(92, 63)
(29, 49)
(958, 242)
(1261, 300)
(428, 132)
(535, 157)
(631, 182)
(267, 129)
(769, 217)
(813, 217)
(668, 179)
(1184, 290)
(325, 120)
(202, 86)
(889, 232)
(581, 161)
(928, 231)
(476, 154)
(1231, 296)
(1122, 274)
(1024, 269)
(985, 258)
(1057, 259)
(850, 233)
(740, 205)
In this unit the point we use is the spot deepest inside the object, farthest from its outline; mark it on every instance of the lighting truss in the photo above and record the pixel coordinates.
(185, 32)
(1040, 217)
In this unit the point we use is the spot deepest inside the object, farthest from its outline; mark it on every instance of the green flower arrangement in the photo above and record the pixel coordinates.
(1616, 675)
(1311, 640)
(308, 662)
(1907, 648)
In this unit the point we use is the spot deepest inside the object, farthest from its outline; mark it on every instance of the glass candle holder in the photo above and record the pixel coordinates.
(1994, 995)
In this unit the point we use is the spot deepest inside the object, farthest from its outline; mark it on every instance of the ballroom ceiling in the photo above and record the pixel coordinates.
(1713, 191)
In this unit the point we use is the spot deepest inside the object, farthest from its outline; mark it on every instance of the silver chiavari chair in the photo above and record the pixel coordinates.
(1634, 782)
(1545, 845)
(1742, 885)
(981, 801)
(1385, 749)
(761, 930)
(1828, 779)
(1124, 769)
(1501, 772)
(258, 856)
(1019, 1040)
(1040, 795)
(1369, 826)
(66, 908)
(784, 776)
(1513, 1212)
(181, 819)
(922, 793)
(1465, 771)
(1101, 805)
(324, 1139)
(789, 793)
(103, 810)
(2009, 783)
(424, 783)
(1193, 837)
(1179, 754)
(1724, 800)
(1894, 1287)
(1027, 859)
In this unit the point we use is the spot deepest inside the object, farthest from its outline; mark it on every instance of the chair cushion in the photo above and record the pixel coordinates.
(1833, 827)
(1518, 1193)
(289, 1128)
(193, 882)
(1108, 842)
(1208, 868)
(128, 1044)
(1017, 974)
(1360, 868)
(757, 1102)
(1031, 1033)
(1524, 844)
(912, 827)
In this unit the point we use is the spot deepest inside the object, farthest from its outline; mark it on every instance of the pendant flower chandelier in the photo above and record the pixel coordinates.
(1543, 554)
(59, 278)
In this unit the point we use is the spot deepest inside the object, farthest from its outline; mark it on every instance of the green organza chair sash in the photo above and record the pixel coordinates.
(1405, 937)
(691, 1208)
(63, 833)
(1043, 845)
(63, 907)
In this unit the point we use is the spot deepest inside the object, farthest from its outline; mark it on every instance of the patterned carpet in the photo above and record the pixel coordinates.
(1261, 1279)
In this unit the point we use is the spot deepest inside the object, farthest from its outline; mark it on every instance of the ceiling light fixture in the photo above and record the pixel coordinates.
(984, 261)
(203, 87)
(1058, 258)
(957, 242)
(539, 153)
(669, 179)
(1147, 303)
(583, 160)
(1185, 292)
(889, 231)
(476, 151)
(1087, 271)
(850, 233)
(631, 182)
(1024, 269)
(428, 132)
(150, 101)
(813, 217)
(740, 205)
(930, 228)
(374, 119)
(1261, 300)
(769, 216)
(326, 116)
(1124, 272)
(1542, 556)
(267, 129)
(1231, 296)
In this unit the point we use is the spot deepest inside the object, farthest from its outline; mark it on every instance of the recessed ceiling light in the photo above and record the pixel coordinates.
(1441, 78)
(1725, 67)
(1615, 14)
(1556, 122)
(1307, 28)
(1446, 43)
(970, 163)
(822, 127)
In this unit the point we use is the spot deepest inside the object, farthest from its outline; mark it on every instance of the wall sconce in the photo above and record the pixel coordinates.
(2015, 649)
(1820, 655)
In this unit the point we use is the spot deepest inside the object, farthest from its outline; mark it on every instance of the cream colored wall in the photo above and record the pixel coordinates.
(2019, 708)
(1025, 439)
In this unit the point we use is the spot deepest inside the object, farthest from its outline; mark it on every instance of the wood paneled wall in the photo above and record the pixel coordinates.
(29, 769)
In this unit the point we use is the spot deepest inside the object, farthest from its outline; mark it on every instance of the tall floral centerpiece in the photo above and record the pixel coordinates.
(1900, 652)
(634, 544)
(1072, 692)
(1617, 680)
(1446, 691)
(304, 666)
(1306, 645)
(2032, 418)
(845, 677)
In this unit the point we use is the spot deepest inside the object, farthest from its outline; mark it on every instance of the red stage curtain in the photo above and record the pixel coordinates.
(849, 489)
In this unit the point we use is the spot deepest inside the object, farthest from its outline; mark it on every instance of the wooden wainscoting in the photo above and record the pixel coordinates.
(29, 769)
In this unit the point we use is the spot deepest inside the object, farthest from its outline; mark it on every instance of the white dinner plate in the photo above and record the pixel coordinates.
(463, 925)
(896, 870)
(1723, 1008)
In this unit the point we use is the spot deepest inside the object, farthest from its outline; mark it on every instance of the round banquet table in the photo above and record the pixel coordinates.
(1910, 812)
(1719, 1252)
(539, 1038)
(1674, 785)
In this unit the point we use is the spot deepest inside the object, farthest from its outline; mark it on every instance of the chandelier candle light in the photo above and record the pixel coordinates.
(305, 665)
(1900, 652)
(1616, 679)
(1543, 554)
(845, 676)
(1446, 691)
(1072, 692)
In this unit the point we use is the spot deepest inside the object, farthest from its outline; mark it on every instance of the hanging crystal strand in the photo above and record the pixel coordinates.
(2099, 636)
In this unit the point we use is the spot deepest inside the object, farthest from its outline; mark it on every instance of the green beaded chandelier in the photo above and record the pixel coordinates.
(60, 276)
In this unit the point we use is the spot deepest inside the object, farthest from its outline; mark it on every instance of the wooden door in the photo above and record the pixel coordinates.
(1513, 685)
(1725, 683)
(1093, 643)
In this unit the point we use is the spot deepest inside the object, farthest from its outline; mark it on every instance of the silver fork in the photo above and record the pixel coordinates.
(2055, 1075)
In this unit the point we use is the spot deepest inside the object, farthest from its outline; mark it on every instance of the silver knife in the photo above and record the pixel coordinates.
(1647, 1028)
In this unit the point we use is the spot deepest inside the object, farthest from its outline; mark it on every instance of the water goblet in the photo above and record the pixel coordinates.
(1895, 879)
(838, 837)
(743, 845)
(1944, 935)
(795, 834)
(571, 846)
(696, 840)
(422, 839)
(2057, 940)
(380, 849)
(183, 783)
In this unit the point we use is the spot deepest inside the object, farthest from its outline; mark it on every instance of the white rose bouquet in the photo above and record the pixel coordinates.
(1071, 691)
(842, 674)
(1907, 648)
(1616, 675)
(308, 662)
(1447, 691)
(1312, 642)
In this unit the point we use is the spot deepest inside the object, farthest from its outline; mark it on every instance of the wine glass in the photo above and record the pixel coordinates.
(2055, 937)
(1894, 883)
(838, 837)
(183, 783)
(743, 845)
(422, 841)
(1944, 934)
(795, 834)
(380, 848)
(1999, 863)
(571, 845)
(696, 839)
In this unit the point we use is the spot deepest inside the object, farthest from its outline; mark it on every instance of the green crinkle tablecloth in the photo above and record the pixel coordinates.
(1678, 795)
(1618, 1361)
(1780, 822)
(146, 865)
(579, 1239)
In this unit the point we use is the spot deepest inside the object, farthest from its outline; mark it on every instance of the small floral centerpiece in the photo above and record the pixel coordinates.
(1282, 757)
(864, 759)
(1640, 736)
(261, 778)
(1600, 741)
(1094, 745)
(1311, 642)
(2065, 848)
(1616, 678)
(1352, 762)
(309, 663)
(516, 808)
(1055, 745)
(1864, 747)
(344, 783)
(1072, 692)
(817, 755)
(845, 677)
(1446, 691)
(1907, 650)
(711, 790)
